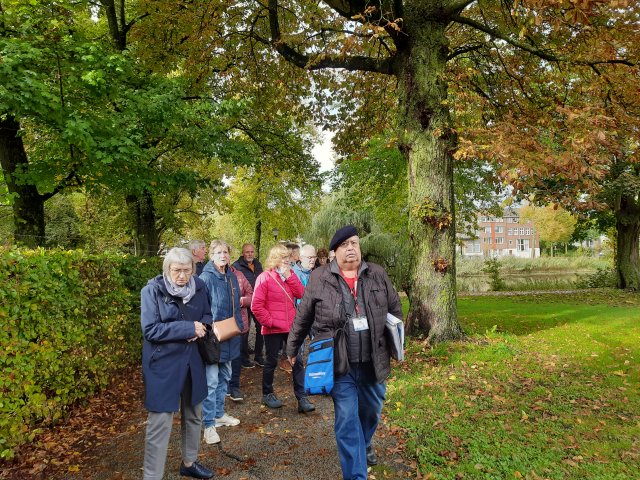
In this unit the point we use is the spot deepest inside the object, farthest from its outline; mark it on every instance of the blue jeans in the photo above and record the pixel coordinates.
(357, 402)
(218, 376)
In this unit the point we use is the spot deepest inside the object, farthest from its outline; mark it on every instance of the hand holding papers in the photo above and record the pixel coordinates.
(395, 330)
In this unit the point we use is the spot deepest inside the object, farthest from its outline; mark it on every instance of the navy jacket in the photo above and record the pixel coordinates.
(221, 307)
(167, 356)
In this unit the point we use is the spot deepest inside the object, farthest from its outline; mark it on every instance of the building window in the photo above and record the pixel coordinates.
(473, 247)
(521, 230)
(499, 240)
(523, 244)
(487, 240)
(499, 229)
(487, 229)
(510, 231)
(510, 242)
(527, 231)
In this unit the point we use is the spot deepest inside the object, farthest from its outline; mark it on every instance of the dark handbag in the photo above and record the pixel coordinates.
(340, 354)
(227, 328)
(209, 347)
(318, 374)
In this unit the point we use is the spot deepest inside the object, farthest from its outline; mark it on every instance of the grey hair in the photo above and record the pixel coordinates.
(308, 247)
(193, 244)
(177, 255)
(218, 243)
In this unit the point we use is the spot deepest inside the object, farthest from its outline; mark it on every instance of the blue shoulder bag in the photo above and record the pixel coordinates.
(318, 376)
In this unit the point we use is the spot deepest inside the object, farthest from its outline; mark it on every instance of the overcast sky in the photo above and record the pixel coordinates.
(323, 152)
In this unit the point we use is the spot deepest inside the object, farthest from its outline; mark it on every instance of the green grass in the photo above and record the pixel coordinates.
(544, 387)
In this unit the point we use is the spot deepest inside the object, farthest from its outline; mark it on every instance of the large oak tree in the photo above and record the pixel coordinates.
(419, 43)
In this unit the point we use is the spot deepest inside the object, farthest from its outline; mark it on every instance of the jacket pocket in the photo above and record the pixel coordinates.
(154, 354)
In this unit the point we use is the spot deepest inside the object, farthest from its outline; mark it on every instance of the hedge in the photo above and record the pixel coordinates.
(68, 321)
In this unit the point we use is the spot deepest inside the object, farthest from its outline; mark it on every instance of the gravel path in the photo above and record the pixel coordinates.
(268, 444)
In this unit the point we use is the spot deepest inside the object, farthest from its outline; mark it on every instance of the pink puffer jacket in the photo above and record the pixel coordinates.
(246, 294)
(275, 309)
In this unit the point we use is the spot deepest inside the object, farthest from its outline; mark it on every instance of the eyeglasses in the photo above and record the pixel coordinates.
(181, 271)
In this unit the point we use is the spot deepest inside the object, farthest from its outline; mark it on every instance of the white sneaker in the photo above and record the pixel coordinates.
(211, 436)
(227, 421)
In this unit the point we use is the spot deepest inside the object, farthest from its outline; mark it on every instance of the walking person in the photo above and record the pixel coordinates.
(251, 268)
(199, 251)
(224, 294)
(243, 361)
(274, 306)
(174, 310)
(358, 295)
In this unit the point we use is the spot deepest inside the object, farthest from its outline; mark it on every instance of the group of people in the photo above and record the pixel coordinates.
(300, 293)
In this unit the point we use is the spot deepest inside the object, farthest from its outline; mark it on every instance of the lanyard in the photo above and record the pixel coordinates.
(354, 290)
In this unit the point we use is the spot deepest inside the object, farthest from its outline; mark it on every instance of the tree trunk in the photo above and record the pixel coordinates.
(628, 234)
(427, 141)
(116, 25)
(143, 216)
(28, 204)
(258, 238)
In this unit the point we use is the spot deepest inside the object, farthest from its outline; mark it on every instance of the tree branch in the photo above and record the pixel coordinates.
(462, 50)
(457, 7)
(540, 53)
(128, 26)
(323, 60)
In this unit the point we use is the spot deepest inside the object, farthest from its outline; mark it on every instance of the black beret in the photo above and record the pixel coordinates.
(341, 235)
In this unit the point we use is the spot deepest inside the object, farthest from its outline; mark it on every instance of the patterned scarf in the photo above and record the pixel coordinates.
(186, 293)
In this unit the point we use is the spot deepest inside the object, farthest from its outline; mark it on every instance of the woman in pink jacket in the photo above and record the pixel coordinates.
(273, 304)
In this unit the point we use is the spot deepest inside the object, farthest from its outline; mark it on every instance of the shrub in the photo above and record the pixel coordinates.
(68, 320)
(603, 277)
(492, 267)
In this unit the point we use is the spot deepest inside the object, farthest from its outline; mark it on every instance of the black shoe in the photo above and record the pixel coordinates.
(271, 401)
(305, 406)
(236, 395)
(195, 471)
(259, 361)
(247, 364)
(371, 457)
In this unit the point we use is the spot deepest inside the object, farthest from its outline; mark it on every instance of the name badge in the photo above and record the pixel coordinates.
(360, 324)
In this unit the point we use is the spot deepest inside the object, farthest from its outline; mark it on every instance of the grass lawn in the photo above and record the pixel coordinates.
(545, 387)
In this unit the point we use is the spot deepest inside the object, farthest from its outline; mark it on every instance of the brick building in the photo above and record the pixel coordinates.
(503, 236)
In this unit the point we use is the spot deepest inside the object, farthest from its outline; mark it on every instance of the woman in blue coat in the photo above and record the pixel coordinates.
(174, 308)
(224, 294)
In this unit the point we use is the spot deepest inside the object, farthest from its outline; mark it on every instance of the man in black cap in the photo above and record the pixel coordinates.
(358, 295)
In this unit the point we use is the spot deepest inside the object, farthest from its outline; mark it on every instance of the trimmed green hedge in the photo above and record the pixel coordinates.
(68, 320)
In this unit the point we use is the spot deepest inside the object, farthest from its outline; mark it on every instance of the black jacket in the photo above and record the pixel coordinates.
(323, 307)
(251, 275)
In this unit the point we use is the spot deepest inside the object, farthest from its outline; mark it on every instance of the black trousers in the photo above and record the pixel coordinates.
(259, 345)
(272, 343)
